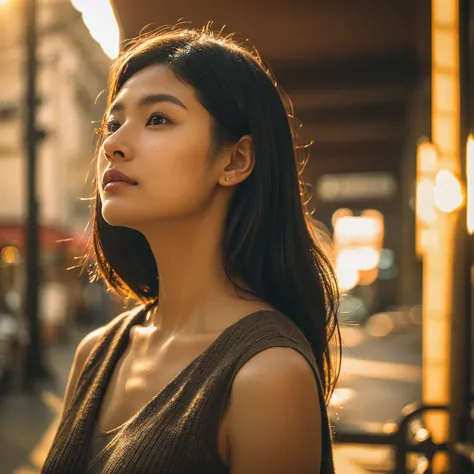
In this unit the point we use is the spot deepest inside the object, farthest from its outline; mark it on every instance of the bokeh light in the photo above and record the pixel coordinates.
(447, 192)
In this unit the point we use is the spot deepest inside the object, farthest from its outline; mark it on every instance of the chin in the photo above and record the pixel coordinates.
(122, 216)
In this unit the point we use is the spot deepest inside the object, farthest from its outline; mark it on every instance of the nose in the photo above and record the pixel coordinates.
(115, 148)
(116, 154)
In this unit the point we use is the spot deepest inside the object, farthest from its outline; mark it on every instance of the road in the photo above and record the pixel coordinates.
(382, 375)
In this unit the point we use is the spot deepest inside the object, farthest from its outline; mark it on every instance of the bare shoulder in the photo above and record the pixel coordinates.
(83, 351)
(274, 417)
(275, 361)
(86, 345)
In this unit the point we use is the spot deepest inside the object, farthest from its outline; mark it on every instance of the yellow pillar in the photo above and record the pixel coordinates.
(439, 256)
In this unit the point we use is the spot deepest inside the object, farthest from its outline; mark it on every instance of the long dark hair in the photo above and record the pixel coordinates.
(269, 243)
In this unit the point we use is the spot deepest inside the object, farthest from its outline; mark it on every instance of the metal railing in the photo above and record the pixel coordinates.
(400, 440)
(466, 452)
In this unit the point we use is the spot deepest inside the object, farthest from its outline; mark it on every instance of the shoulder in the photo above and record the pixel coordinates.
(275, 362)
(81, 355)
(85, 347)
(274, 415)
(88, 343)
(84, 350)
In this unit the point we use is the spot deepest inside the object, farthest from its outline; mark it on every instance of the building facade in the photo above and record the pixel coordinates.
(72, 72)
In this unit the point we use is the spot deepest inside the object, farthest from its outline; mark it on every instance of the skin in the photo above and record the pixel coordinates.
(272, 423)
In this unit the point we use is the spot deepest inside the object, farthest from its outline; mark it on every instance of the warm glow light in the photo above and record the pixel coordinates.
(2, 2)
(470, 183)
(100, 20)
(358, 243)
(439, 259)
(427, 157)
(448, 195)
(346, 270)
(10, 255)
(360, 228)
(338, 213)
(427, 160)
(340, 396)
(367, 258)
(422, 435)
(361, 258)
(425, 209)
(426, 216)
(367, 277)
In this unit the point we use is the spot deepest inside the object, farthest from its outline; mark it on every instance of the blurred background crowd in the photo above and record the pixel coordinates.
(384, 92)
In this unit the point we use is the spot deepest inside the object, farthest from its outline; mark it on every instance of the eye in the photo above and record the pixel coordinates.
(156, 119)
(112, 126)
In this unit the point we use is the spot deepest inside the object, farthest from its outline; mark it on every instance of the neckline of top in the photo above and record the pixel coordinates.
(135, 319)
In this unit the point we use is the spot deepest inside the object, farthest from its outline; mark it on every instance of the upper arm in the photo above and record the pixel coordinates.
(82, 353)
(275, 416)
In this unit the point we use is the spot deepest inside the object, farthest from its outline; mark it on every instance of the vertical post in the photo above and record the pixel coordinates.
(439, 261)
(461, 369)
(34, 367)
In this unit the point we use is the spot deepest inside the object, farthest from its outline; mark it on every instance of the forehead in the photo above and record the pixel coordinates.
(158, 78)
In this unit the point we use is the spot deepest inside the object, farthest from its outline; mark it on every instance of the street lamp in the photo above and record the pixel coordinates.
(34, 367)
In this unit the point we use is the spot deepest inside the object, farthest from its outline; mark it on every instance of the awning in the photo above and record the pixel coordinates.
(49, 237)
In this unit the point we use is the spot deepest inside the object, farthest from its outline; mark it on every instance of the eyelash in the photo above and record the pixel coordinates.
(110, 123)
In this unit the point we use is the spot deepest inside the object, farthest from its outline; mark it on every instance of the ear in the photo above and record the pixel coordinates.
(240, 161)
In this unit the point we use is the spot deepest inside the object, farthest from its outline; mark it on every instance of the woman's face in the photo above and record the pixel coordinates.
(159, 137)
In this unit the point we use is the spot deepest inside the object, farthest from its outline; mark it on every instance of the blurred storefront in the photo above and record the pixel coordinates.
(72, 71)
(57, 254)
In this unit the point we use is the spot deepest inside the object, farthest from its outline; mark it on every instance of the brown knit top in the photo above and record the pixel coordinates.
(177, 431)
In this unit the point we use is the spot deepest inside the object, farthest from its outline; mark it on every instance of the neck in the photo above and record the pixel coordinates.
(192, 281)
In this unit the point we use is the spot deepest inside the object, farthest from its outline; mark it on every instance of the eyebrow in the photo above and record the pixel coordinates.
(118, 106)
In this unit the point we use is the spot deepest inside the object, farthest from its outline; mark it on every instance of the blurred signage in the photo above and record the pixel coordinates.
(358, 242)
(356, 186)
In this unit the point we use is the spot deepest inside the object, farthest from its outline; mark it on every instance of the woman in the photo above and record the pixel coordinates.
(224, 366)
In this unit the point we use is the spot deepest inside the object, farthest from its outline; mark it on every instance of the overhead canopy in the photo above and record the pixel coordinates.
(289, 31)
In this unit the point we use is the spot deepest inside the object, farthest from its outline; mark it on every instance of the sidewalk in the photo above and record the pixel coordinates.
(28, 424)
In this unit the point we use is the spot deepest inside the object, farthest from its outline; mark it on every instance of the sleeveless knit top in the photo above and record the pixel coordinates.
(177, 430)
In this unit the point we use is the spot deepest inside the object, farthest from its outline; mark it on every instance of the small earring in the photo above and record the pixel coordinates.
(227, 178)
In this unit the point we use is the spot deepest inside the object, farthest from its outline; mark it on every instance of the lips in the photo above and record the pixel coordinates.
(115, 176)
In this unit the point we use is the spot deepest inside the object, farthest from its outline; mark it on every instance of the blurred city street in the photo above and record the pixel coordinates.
(29, 422)
(383, 375)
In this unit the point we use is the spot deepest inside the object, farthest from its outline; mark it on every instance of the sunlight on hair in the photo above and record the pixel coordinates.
(100, 20)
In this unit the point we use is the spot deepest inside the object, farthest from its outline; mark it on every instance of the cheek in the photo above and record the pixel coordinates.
(175, 171)
(173, 187)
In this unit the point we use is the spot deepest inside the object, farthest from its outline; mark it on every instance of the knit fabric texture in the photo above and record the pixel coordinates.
(177, 430)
